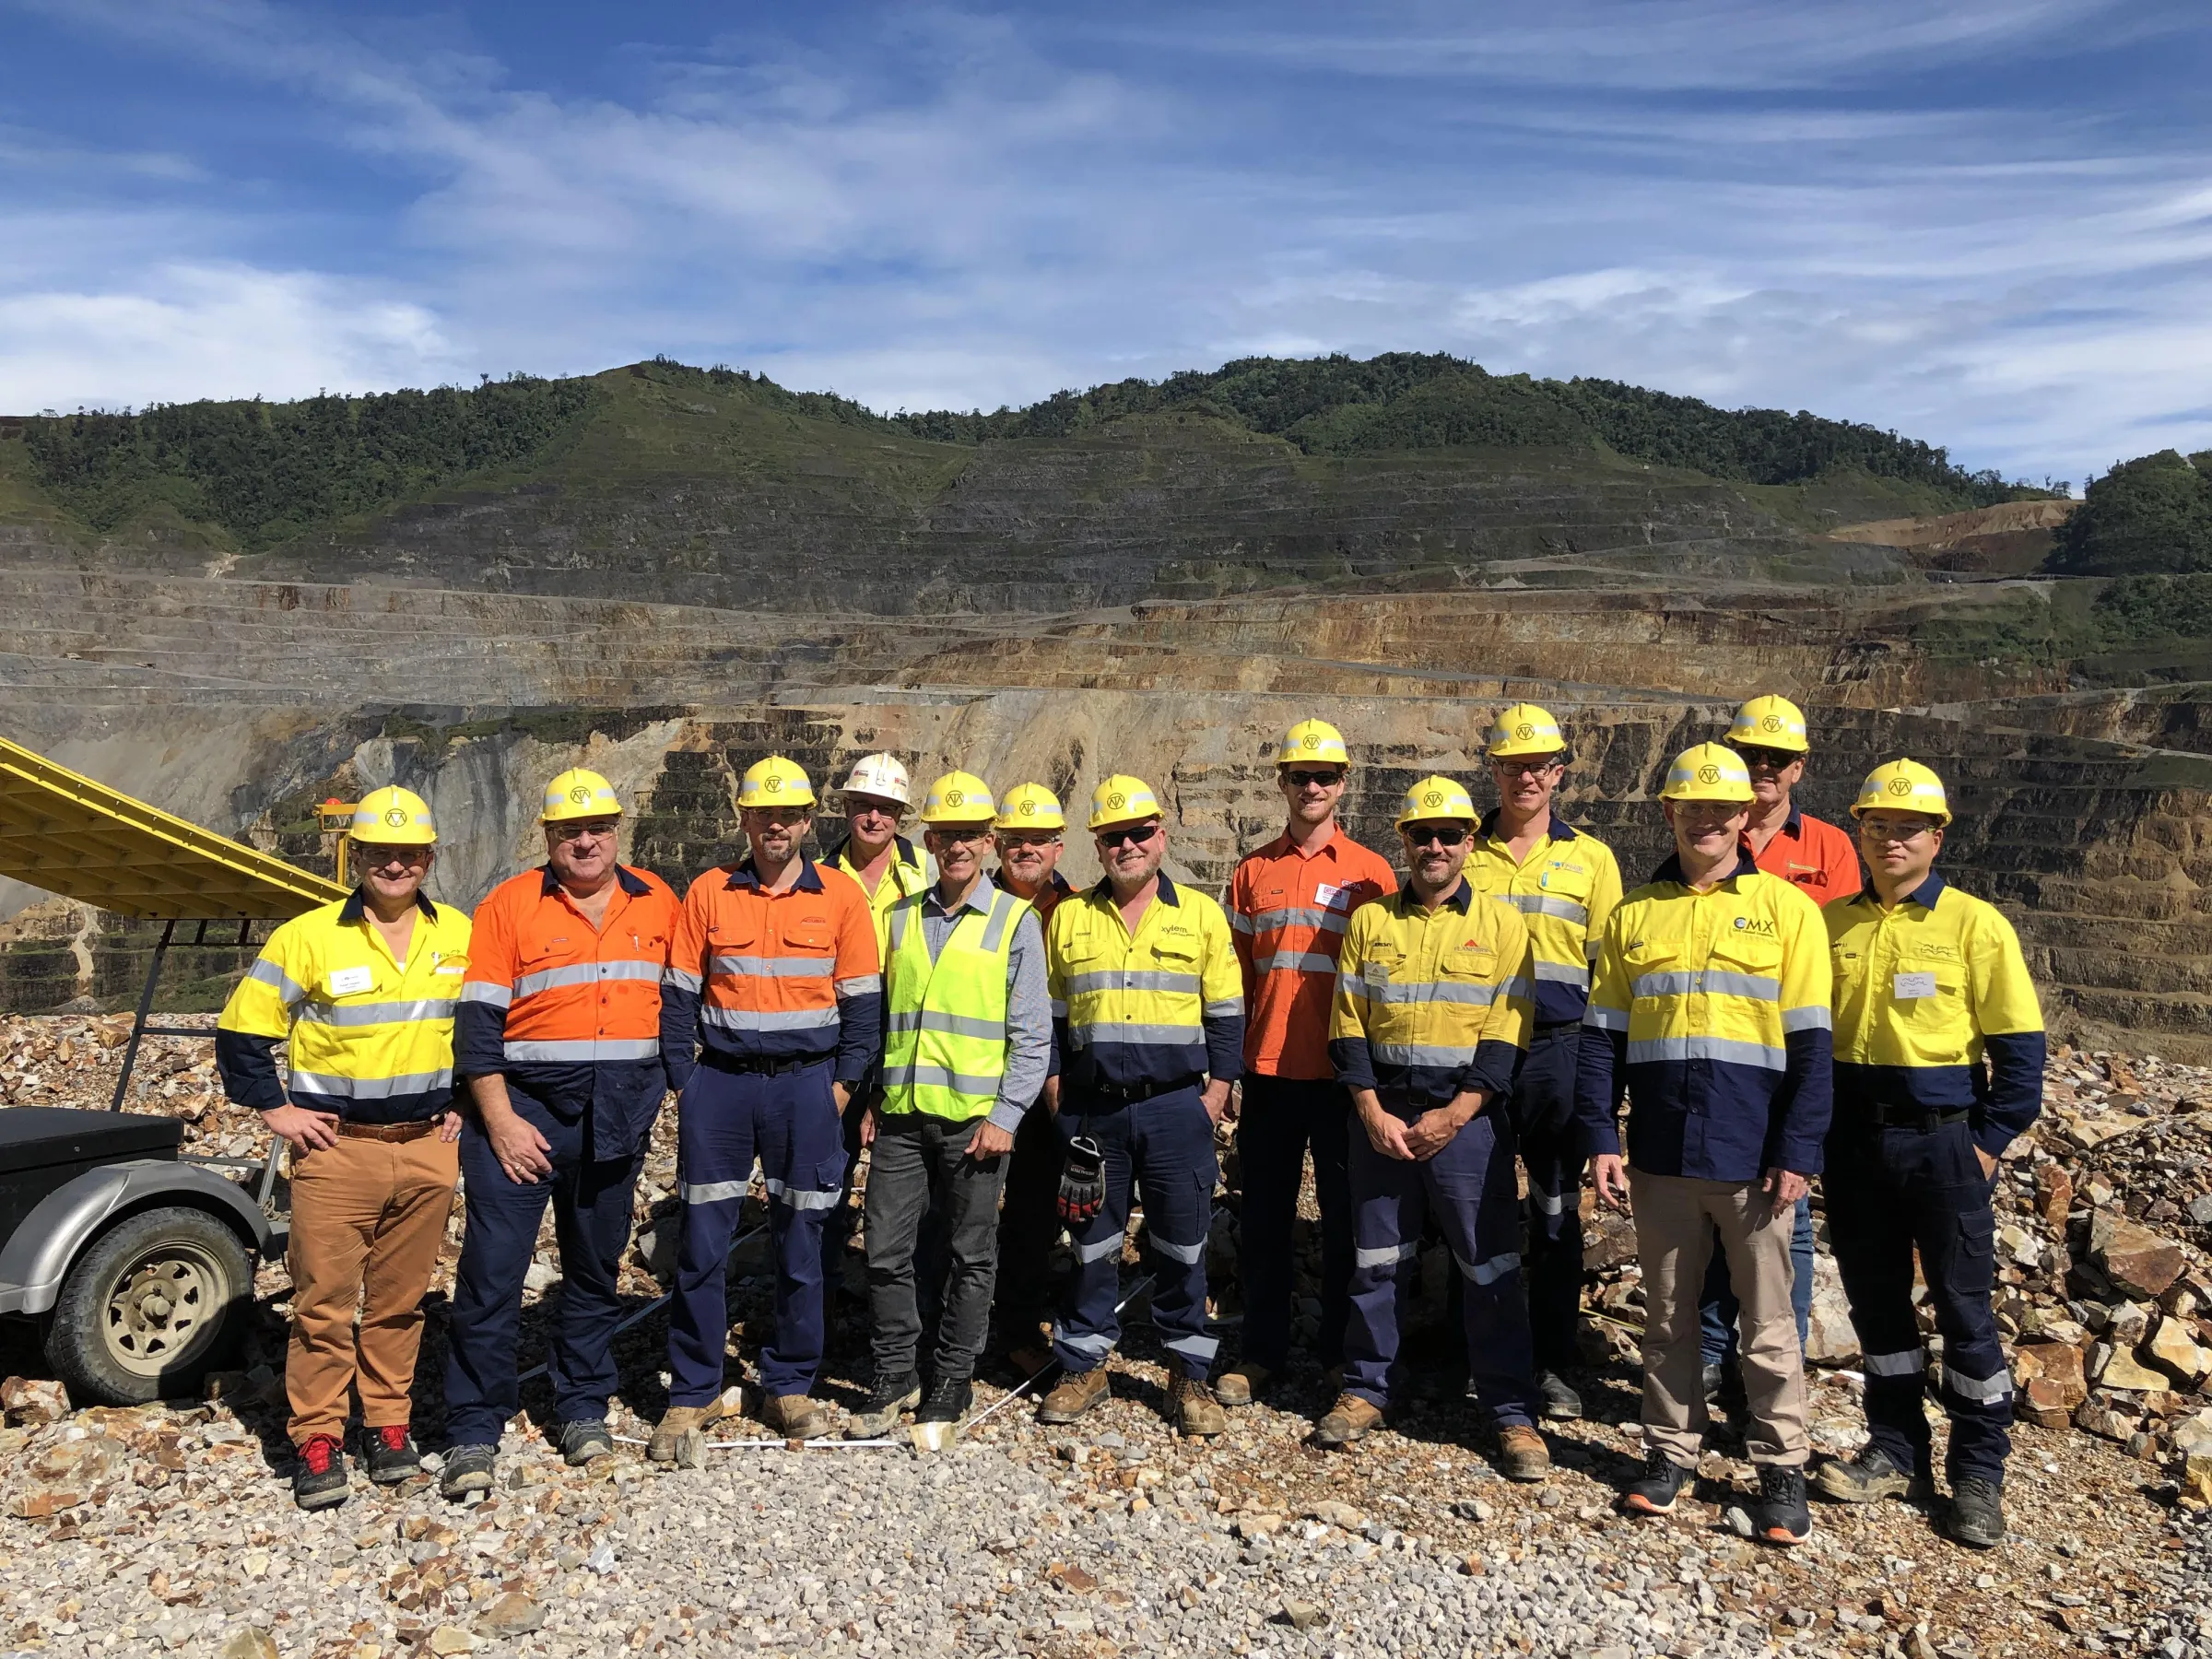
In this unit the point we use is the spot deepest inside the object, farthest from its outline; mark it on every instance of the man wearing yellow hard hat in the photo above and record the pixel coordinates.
(1939, 1068)
(1028, 833)
(1149, 1035)
(364, 990)
(1711, 1008)
(1564, 882)
(559, 1034)
(968, 1039)
(1289, 902)
(1429, 1024)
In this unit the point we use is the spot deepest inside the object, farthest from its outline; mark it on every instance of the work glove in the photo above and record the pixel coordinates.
(1082, 1182)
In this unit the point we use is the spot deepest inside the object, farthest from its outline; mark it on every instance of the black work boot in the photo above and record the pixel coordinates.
(1557, 1396)
(467, 1469)
(1868, 1476)
(878, 1414)
(393, 1455)
(1781, 1515)
(1978, 1512)
(947, 1401)
(584, 1439)
(320, 1481)
(1653, 1491)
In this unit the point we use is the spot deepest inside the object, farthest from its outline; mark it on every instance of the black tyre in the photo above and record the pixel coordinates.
(154, 1303)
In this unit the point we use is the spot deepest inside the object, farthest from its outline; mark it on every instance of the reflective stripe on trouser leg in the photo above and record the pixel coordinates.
(717, 1127)
(803, 1159)
(1390, 1204)
(1551, 1148)
(1957, 1233)
(1470, 1187)
(1088, 1326)
(1871, 1229)
(1173, 1147)
(482, 1388)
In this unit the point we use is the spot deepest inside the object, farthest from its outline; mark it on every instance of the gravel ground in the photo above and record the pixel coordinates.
(170, 1529)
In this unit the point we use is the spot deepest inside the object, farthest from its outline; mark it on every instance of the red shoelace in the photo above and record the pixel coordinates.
(317, 1453)
(394, 1436)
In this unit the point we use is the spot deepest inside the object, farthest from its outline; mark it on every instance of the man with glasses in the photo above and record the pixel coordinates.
(967, 1037)
(1288, 904)
(364, 990)
(559, 1034)
(1710, 1005)
(1564, 882)
(1149, 1035)
(1939, 1068)
(1430, 1023)
(1028, 833)
(772, 1013)
(1819, 860)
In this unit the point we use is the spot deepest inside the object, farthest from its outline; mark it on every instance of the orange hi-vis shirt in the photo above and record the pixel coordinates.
(1814, 857)
(765, 979)
(1287, 911)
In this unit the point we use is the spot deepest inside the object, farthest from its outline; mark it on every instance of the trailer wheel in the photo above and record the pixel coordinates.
(157, 1302)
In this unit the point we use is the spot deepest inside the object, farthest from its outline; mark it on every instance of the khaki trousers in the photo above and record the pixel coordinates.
(1675, 1219)
(368, 1217)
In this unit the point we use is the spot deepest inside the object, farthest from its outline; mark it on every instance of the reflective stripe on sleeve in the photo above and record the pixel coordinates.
(491, 996)
(1708, 1048)
(266, 972)
(1227, 1008)
(682, 981)
(861, 985)
(1807, 1019)
(1564, 973)
(1604, 1019)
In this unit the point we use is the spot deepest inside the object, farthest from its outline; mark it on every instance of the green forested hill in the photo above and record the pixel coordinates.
(2150, 517)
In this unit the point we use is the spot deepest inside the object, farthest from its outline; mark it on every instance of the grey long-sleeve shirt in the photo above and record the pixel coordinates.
(1028, 1006)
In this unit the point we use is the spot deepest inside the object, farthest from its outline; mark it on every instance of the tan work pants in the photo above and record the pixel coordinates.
(1676, 1218)
(368, 1217)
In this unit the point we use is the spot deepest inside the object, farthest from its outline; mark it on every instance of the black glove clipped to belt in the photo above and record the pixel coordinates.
(1082, 1182)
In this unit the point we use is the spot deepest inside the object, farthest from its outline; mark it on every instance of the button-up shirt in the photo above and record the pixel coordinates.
(1812, 855)
(1288, 906)
(1565, 890)
(1149, 1010)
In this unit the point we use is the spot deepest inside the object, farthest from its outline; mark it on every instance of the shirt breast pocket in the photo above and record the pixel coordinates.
(1655, 970)
(1571, 883)
(1750, 955)
(809, 935)
(1472, 962)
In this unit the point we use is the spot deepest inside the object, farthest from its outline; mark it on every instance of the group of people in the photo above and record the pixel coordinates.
(1019, 1059)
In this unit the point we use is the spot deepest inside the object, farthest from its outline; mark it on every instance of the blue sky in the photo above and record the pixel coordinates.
(1985, 223)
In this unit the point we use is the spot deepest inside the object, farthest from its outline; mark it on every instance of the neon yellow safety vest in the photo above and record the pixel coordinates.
(945, 1022)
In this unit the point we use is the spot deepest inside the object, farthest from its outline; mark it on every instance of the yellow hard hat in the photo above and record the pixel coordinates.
(775, 782)
(958, 798)
(1709, 771)
(393, 816)
(882, 775)
(1029, 807)
(578, 793)
(1435, 797)
(1772, 723)
(1123, 799)
(1903, 787)
(1313, 742)
(1524, 729)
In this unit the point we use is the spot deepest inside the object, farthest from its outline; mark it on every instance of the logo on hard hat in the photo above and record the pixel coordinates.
(1117, 799)
(1771, 723)
(772, 783)
(953, 797)
(1312, 740)
(581, 795)
(1709, 773)
(1524, 731)
(1433, 798)
(396, 817)
(1900, 786)
(1028, 809)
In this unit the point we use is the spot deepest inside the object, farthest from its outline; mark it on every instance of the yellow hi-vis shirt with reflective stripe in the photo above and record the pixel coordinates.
(1565, 890)
(1430, 1002)
(1147, 1010)
(905, 876)
(945, 1022)
(372, 1038)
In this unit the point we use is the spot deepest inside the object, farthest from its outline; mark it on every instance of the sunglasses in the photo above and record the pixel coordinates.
(949, 833)
(1879, 830)
(1299, 780)
(1112, 838)
(1777, 759)
(568, 833)
(1444, 838)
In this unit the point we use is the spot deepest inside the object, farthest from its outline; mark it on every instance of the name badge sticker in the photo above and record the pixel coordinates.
(344, 981)
(1326, 893)
(1908, 987)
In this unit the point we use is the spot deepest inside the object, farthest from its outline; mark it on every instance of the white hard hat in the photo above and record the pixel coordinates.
(883, 776)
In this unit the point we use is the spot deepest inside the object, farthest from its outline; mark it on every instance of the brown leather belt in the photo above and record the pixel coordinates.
(388, 1132)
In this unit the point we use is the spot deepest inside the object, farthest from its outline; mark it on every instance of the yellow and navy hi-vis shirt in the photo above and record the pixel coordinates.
(1713, 1008)
(905, 876)
(1565, 890)
(1431, 1003)
(1935, 1011)
(372, 1038)
(1144, 1013)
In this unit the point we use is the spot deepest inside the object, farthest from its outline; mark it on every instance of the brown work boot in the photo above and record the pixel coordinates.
(1522, 1454)
(795, 1416)
(1241, 1383)
(1350, 1419)
(1191, 1407)
(676, 1422)
(1077, 1393)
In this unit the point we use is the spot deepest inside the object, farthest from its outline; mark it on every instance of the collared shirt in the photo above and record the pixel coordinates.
(1048, 896)
(569, 1012)
(1935, 1011)
(1028, 1003)
(371, 1037)
(1812, 855)
(1148, 1010)
(907, 874)
(1433, 1003)
(1565, 890)
(1713, 1008)
(756, 975)
(1288, 906)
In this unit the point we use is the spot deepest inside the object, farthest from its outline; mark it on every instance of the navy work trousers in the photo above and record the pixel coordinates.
(1469, 1187)
(1280, 1119)
(1889, 1191)
(590, 1200)
(1167, 1144)
(1717, 1306)
(1551, 1152)
(725, 1120)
